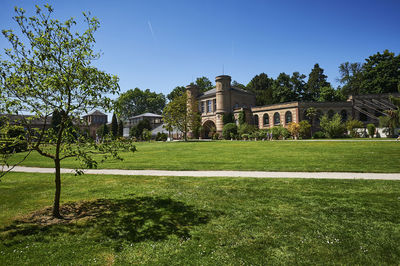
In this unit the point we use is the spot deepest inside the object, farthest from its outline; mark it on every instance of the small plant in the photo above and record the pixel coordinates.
(245, 136)
(332, 127)
(371, 130)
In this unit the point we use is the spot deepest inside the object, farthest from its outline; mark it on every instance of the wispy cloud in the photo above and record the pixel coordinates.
(151, 30)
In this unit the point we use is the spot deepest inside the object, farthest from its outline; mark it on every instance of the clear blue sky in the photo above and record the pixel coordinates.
(162, 44)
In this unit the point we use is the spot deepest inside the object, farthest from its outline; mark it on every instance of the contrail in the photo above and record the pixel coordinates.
(151, 30)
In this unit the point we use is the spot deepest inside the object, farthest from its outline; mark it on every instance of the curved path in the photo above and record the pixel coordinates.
(255, 174)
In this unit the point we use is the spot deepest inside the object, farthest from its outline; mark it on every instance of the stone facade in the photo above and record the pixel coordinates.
(225, 99)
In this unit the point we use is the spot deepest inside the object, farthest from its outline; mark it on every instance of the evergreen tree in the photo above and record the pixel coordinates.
(105, 131)
(56, 119)
(120, 128)
(261, 85)
(114, 126)
(316, 81)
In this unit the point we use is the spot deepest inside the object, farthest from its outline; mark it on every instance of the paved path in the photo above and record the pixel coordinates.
(256, 174)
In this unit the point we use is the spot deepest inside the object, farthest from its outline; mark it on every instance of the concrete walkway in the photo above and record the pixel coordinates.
(255, 174)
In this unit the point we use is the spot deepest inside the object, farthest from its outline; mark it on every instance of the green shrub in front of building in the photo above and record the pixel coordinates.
(229, 129)
(371, 130)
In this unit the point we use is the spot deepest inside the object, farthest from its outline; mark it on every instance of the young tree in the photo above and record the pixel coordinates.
(294, 129)
(177, 91)
(114, 126)
(54, 72)
(175, 115)
(333, 127)
(311, 113)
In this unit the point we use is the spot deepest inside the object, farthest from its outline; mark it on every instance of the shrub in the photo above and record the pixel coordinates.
(352, 125)
(319, 135)
(333, 128)
(10, 145)
(245, 129)
(146, 134)
(276, 132)
(263, 134)
(229, 129)
(245, 136)
(161, 136)
(371, 130)
(294, 129)
(215, 136)
(137, 131)
(305, 129)
(228, 118)
(284, 132)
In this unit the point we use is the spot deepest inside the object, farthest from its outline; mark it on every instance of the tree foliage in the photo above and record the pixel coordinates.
(114, 126)
(176, 115)
(136, 102)
(332, 127)
(261, 85)
(54, 71)
(316, 81)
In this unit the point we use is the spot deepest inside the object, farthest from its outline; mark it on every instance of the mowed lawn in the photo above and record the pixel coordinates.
(342, 156)
(201, 221)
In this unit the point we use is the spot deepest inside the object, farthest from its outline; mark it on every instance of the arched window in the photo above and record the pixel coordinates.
(343, 114)
(266, 119)
(288, 117)
(318, 116)
(277, 118)
(331, 113)
(255, 117)
(363, 117)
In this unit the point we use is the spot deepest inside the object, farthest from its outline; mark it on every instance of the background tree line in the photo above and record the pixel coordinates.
(380, 73)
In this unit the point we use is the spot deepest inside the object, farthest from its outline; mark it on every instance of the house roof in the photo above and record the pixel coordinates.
(94, 112)
(213, 92)
(146, 115)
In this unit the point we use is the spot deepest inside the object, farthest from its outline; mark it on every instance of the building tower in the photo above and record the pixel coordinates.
(192, 91)
(223, 86)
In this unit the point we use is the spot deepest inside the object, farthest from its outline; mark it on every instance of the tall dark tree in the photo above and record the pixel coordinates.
(56, 119)
(316, 81)
(350, 77)
(329, 94)
(284, 89)
(120, 128)
(381, 73)
(135, 102)
(261, 85)
(114, 126)
(298, 84)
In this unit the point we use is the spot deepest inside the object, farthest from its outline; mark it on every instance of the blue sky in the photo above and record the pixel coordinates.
(163, 44)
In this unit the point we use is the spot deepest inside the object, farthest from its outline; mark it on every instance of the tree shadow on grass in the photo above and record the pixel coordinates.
(132, 220)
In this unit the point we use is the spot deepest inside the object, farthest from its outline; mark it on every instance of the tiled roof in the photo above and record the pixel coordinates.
(147, 115)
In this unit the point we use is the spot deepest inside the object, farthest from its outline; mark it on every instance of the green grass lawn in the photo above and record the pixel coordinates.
(342, 156)
(201, 221)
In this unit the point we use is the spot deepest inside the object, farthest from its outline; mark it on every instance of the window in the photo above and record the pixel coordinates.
(208, 106)
(202, 107)
(277, 118)
(288, 117)
(214, 105)
(266, 120)
(256, 120)
(343, 114)
(331, 113)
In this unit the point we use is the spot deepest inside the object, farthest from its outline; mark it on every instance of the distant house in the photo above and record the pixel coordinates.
(94, 120)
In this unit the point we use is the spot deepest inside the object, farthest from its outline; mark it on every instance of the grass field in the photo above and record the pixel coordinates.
(342, 156)
(201, 221)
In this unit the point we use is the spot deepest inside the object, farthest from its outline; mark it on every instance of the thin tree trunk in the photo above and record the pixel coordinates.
(56, 206)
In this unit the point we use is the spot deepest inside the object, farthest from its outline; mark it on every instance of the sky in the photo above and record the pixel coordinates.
(159, 45)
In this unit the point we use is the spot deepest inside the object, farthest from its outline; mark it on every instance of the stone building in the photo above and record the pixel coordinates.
(225, 99)
(92, 121)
